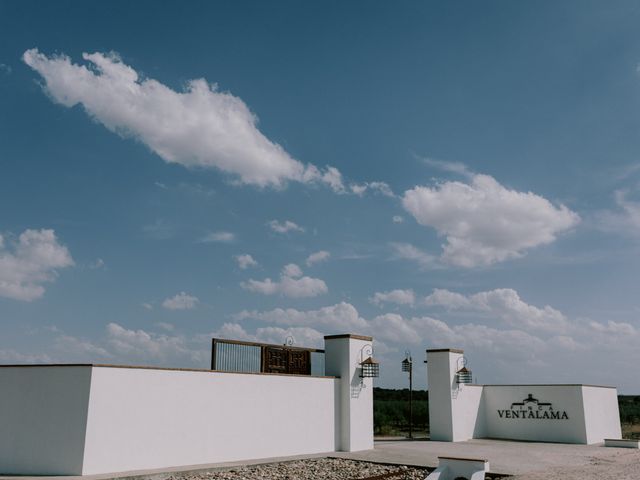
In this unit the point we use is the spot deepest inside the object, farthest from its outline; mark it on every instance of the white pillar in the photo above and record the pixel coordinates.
(354, 396)
(455, 412)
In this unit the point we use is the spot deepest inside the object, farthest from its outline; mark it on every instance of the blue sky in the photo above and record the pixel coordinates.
(435, 174)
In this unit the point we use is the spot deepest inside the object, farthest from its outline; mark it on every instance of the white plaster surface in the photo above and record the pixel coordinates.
(143, 419)
(458, 413)
(342, 358)
(43, 416)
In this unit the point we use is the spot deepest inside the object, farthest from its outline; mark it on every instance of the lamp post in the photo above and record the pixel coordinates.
(407, 366)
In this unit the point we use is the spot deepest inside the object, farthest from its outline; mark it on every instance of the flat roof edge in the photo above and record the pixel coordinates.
(438, 350)
(545, 385)
(349, 335)
(172, 369)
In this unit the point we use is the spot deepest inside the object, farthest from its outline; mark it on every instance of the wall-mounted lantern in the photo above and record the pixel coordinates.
(463, 375)
(369, 367)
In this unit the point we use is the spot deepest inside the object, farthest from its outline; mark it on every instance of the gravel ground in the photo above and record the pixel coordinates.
(322, 468)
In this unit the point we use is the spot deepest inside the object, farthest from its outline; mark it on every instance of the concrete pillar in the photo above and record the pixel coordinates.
(441, 369)
(455, 411)
(354, 396)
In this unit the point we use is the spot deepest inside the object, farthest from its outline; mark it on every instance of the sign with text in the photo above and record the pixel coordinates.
(533, 409)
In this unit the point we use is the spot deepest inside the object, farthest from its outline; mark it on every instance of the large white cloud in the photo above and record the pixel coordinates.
(505, 304)
(30, 262)
(342, 317)
(198, 127)
(291, 284)
(484, 222)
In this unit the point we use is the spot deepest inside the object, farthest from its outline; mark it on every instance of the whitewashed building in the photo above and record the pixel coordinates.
(460, 410)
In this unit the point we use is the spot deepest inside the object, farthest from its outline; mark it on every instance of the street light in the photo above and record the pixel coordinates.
(407, 366)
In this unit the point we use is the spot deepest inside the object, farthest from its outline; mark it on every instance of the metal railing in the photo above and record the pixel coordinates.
(253, 357)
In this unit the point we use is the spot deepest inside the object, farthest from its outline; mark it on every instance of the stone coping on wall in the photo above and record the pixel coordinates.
(349, 335)
(173, 369)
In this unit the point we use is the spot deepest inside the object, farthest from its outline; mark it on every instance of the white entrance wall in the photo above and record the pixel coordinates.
(548, 413)
(93, 419)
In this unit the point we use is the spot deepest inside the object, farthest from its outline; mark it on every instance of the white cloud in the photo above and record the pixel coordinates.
(97, 264)
(406, 251)
(10, 356)
(375, 187)
(147, 306)
(145, 345)
(484, 222)
(317, 257)
(291, 284)
(398, 296)
(397, 219)
(448, 166)
(245, 261)
(198, 127)
(31, 261)
(505, 304)
(181, 301)
(342, 317)
(218, 237)
(303, 336)
(284, 227)
(79, 349)
(291, 270)
(625, 220)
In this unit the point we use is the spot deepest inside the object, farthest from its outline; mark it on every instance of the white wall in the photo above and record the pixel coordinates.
(458, 413)
(146, 418)
(43, 415)
(601, 413)
(564, 398)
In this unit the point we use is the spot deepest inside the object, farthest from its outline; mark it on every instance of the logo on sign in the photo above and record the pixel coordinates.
(532, 408)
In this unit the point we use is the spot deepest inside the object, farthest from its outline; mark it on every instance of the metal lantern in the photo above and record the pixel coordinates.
(370, 368)
(463, 375)
(406, 364)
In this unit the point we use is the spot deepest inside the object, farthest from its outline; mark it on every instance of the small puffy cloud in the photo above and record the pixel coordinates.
(284, 227)
(398, 296)
(505, 304)
(146, 306)
(406, 251)
(375, 187)
(484, 222)
(30, 262)
(181, 301)
(97, 264)
(245, 261)
(317, 257)
(291, 270)
(397, 219)
(218, 237)
(291, 284)
(340, 317)
(199, 127)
